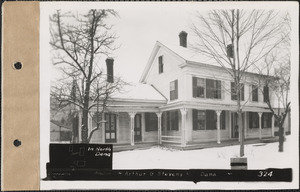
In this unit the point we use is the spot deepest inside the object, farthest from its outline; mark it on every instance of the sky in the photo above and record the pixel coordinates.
(140, 25)
(138, 29)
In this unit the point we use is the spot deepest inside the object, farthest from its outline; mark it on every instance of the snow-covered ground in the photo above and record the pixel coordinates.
(260, 156)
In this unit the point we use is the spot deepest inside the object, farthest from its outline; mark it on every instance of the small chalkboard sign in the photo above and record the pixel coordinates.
(81, 156)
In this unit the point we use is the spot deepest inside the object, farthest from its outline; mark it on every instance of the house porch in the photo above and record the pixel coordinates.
(199, 123)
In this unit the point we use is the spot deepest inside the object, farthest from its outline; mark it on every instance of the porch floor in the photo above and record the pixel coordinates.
(191, 145)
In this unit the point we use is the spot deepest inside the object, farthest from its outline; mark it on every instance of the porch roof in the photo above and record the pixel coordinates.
(139, 92)
(210, 106)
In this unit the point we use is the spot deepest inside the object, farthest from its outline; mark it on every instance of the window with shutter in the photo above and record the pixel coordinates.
(213, 89)
(199, 118)
(198, 87)
(253, 120)
(222, 120)
(234, 92)
(211, 120)
(266, 93)
(254, 93)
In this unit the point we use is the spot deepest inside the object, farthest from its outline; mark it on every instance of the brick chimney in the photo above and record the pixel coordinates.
(110, 69)
(183, 39)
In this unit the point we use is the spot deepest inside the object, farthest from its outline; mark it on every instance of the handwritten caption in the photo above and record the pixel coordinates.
(101, 151)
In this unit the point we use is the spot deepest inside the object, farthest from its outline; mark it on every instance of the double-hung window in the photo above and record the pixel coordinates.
(266, 93)
(254, 93)
(234, 91)
(198, 87)
(199, 120)
(213, 89)
(174, 90)
(207, 120)
(172, 120)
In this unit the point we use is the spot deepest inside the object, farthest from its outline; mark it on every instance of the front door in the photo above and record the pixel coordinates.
(110, 128)
(137, 128)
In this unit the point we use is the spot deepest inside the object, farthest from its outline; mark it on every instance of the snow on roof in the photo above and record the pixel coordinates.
(139, 91)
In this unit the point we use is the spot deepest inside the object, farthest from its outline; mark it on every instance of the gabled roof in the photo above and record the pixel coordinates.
(185, 55)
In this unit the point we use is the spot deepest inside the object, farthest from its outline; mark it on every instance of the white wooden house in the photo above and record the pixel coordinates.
(182, 99)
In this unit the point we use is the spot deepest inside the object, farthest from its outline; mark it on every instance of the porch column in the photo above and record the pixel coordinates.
(218, 126)
(183, 128)
(159, 127)
(79, 126)
(230, 125)
(132, 115)
(272, 126)
(260, 125)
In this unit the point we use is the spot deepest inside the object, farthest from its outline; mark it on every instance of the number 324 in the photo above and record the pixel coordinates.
(265, 173)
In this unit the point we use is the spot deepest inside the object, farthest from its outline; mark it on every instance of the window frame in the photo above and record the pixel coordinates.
(214, 92)
(173, 120)
(160, 64)
(252, 120)
(207, 120)
(254, 92)
(196, 120)
(266, 90)
(266, 119)
(174, 92)
(151, 122)
(233, 92)
(197, 88)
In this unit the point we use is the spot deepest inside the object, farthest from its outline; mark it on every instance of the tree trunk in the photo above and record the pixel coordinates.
(240, 120)
(281, 137)
(75, 129)
(84, 126)
(241, 135)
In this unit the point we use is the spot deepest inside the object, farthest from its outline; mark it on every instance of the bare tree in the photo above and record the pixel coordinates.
(78, 42)
(275, 74)
(236, 40)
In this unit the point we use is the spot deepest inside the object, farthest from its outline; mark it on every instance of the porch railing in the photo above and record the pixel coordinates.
(171, 139)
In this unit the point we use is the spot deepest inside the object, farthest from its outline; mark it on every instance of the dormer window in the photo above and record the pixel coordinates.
(160, 65)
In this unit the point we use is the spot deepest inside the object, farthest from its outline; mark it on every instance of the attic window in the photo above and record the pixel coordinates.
(160, 64)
